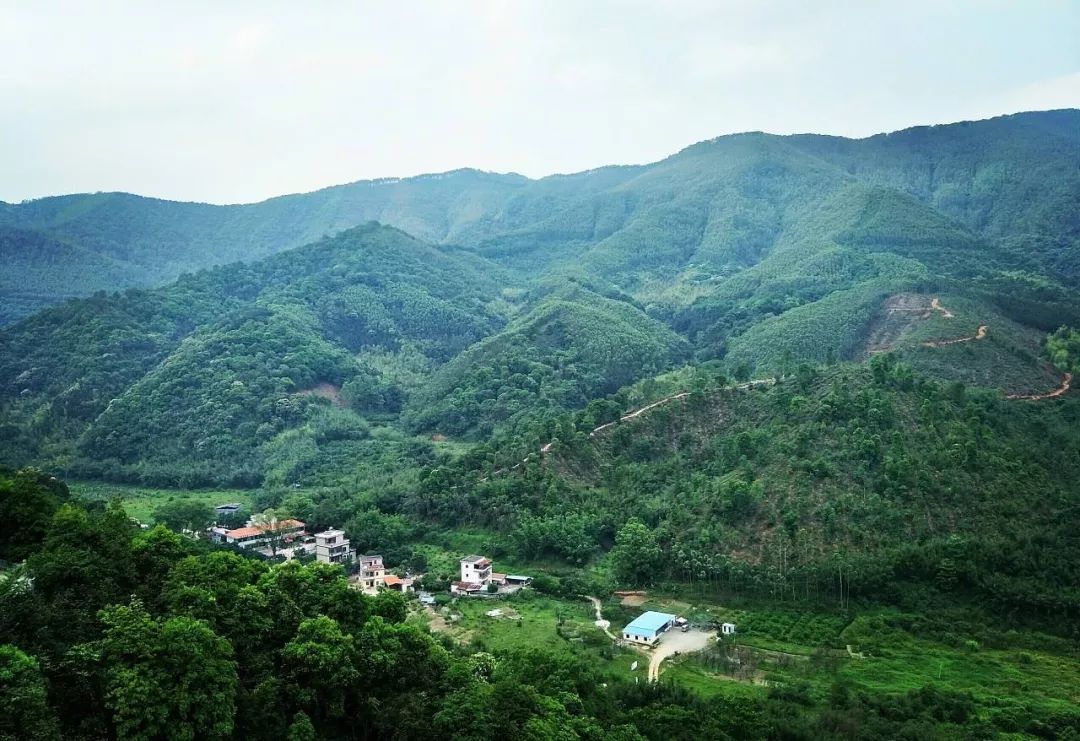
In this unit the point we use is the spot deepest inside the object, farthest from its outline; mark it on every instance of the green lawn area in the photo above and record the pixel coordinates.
(1001, 681)
(140, 502)
(538, 621)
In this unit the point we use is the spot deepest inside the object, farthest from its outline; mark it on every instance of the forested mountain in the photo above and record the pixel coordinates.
(667, 231)
(873, 469)
(752, 249)
(776, 370)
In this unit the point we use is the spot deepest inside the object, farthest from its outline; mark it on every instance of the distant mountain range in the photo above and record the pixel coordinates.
(664, 232)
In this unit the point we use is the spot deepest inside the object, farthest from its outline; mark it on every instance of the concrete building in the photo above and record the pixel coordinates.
(372, 574)
(476, 570)
(230, 508)
(647, 627)
(727, 629)
(259, 537)
(399, 583)
(331, 546)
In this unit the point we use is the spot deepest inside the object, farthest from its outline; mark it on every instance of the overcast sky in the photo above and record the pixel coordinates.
(231, 102)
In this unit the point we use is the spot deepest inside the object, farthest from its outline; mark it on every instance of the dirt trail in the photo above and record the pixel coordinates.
(980, 334)
(627, 418)
(935, 304)
(601, 623)
(1066, 384)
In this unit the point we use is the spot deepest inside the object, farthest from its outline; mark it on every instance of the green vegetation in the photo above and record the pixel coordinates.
(832, 483)
(555, 373)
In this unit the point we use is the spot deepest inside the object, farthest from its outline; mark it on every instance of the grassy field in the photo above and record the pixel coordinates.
(532, 620)
(140, 502)
(784, 647)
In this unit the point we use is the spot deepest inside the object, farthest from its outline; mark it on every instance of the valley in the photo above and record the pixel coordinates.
(816, 387)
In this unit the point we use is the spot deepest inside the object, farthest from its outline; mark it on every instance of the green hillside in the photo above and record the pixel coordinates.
(819, 387)
(195, 377)
(572, 347)
(753, 250)
(915, 489)
(667, 231)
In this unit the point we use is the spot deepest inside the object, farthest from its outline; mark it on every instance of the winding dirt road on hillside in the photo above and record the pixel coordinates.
(1066, 384)
(626, 418)
(935, 305)
(980, 334)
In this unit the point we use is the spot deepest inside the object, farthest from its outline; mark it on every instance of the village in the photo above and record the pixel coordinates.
(654, 634)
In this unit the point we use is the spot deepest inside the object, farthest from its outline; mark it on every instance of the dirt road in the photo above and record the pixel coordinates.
(1066, 384)
(675, 641)
(601, 623)
(935, 304)
(980, 334)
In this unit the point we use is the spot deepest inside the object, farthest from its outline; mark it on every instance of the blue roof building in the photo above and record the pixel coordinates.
(647, 627)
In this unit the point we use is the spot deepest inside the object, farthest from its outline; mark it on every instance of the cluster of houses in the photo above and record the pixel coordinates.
(289, 538)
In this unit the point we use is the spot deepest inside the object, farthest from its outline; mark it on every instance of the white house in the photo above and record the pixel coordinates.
(331, 546)
(727, 629)
(476, 570)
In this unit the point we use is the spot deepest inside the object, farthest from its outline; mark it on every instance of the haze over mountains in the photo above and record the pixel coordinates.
(714, 208)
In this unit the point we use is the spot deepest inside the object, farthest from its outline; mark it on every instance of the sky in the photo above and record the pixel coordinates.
(239, 101)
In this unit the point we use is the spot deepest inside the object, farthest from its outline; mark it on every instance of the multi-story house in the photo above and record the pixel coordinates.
(331, 546)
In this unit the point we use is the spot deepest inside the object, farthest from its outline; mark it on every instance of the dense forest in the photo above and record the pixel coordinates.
(112, 631)
(777, 370)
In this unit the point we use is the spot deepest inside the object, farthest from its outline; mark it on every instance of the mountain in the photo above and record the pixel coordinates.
(893, 475)
(665, 231)
(200, 372)
(818, 387)
(516, 301)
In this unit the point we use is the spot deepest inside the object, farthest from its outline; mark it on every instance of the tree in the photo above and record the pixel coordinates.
(636, 555)
(301, 729)
(269, 523)
(28, 500)
(319, 669)
(171, 679)
(184, 514)
(24, 708)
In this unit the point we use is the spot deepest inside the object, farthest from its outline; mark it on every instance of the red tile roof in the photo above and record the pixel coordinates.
(392, 580)
(248, 532)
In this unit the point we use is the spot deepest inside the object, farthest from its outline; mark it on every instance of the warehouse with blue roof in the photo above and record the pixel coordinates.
(647, 627)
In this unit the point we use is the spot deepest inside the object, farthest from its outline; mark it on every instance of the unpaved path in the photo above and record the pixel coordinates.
(1066, 384)
(627, 418)
(675, 641)
(601, 623)
(980, 334)
(935, 304)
